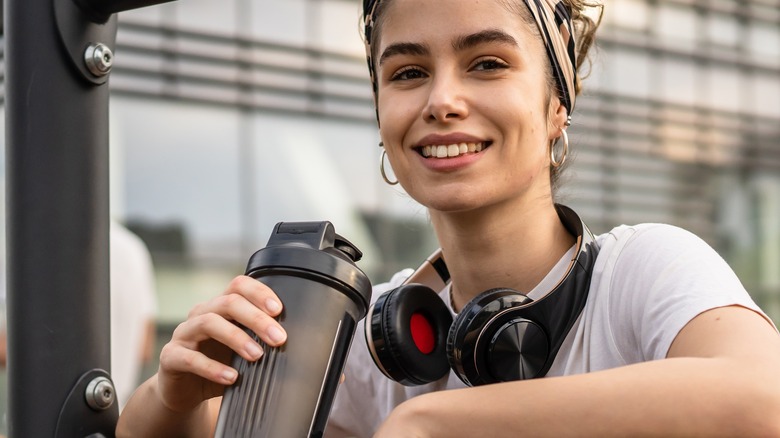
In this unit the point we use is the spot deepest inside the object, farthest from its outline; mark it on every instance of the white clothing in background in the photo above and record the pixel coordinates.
(133, 307)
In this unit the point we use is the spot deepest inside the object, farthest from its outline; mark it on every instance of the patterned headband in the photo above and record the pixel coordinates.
(553, 19)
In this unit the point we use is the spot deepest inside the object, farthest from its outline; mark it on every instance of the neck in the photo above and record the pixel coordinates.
(511, 246)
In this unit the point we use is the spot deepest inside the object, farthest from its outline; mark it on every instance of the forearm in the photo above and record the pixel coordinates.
(146, 416)
(687, 396)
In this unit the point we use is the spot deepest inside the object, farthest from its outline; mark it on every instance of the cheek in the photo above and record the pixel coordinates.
(395, 119)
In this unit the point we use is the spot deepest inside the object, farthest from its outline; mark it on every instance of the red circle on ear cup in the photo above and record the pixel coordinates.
(422, 333)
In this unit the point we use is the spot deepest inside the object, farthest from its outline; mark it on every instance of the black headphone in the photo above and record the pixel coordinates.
(501, 335)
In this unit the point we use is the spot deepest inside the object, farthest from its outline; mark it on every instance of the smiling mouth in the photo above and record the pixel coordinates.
(451, 150)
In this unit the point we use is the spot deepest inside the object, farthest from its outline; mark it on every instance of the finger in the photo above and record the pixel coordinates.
(239, 309)
(257, 293)
(194, 331)
(174, 358)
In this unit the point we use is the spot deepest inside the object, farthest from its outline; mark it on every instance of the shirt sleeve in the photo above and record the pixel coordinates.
(663, 278)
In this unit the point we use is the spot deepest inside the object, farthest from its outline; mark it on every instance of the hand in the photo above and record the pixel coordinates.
(194, 364)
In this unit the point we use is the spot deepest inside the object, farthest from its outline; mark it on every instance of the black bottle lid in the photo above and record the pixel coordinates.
(313, 250)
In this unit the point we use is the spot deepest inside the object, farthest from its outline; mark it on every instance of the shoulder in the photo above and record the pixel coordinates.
(655, 265)
(125, 244)
(650, 245)
(650, 235)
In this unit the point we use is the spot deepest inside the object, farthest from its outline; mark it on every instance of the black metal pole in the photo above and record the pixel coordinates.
(57, 62)
(57, 224)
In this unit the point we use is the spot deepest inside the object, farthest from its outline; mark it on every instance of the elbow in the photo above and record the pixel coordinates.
(763, 416)
(121, 430)
(770, 418)
(766, 424)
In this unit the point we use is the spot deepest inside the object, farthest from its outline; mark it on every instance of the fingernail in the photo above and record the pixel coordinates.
(229, 375)
(273, 306)
(253, 350)
(276, 335)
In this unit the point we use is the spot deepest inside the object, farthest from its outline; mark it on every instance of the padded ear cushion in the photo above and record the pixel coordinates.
(465, 340)
(408, 332)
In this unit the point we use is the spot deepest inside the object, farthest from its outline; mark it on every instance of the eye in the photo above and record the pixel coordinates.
(489, 64)
(408, 73)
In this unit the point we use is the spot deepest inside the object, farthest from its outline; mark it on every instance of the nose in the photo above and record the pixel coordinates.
(446, 101)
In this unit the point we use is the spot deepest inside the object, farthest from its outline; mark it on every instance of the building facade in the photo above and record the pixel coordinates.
(230, 116)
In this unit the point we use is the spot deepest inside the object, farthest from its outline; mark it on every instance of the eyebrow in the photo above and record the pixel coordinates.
(403, 49)
(483, 37)
(461, 43)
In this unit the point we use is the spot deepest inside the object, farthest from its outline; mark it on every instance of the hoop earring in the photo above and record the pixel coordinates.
(558, 163)
(382, 168)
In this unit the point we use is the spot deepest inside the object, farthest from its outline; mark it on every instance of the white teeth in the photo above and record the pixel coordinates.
(452, 150)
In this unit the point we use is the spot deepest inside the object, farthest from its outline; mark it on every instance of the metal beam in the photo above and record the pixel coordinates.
(58, 57)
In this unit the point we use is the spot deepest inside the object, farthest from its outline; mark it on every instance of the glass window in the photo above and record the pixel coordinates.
(182, 169)
(724, 89)
(626, 13)
(280, 21)
(765, 89)
(679, 80)
(676, 23)
(202, 15)
(342, 32)
(629, 72)
(722, 29)
(764, 42)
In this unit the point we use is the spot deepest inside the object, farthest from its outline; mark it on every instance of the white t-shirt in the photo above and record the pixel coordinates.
(133, 307)
(648, 282)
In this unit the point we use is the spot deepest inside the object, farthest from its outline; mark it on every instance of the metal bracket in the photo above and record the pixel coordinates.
(90, 45)
(91, 409)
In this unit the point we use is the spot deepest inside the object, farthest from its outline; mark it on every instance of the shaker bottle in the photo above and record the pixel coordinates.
(289, 391)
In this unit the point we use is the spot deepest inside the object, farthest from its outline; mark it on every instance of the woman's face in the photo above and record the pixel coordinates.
(472, 74)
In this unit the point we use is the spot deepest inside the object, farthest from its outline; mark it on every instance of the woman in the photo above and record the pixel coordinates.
(668, 342)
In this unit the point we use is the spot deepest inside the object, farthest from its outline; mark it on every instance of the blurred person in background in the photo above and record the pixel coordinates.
(133, 310)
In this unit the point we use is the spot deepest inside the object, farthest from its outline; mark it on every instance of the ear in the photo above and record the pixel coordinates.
(557, 116)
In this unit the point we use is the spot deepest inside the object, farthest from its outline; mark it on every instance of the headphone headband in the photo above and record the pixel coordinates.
(476, 335)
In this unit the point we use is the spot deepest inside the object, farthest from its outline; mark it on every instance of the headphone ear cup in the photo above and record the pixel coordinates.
(406, 334)
(472, 334)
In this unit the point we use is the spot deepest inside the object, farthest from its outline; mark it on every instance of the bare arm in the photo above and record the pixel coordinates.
(720, 379)
(147, 416)
(183, 398)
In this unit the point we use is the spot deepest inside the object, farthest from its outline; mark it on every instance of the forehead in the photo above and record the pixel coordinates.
(428, 20)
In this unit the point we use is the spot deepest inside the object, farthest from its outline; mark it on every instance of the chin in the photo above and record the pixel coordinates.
(455, 203)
